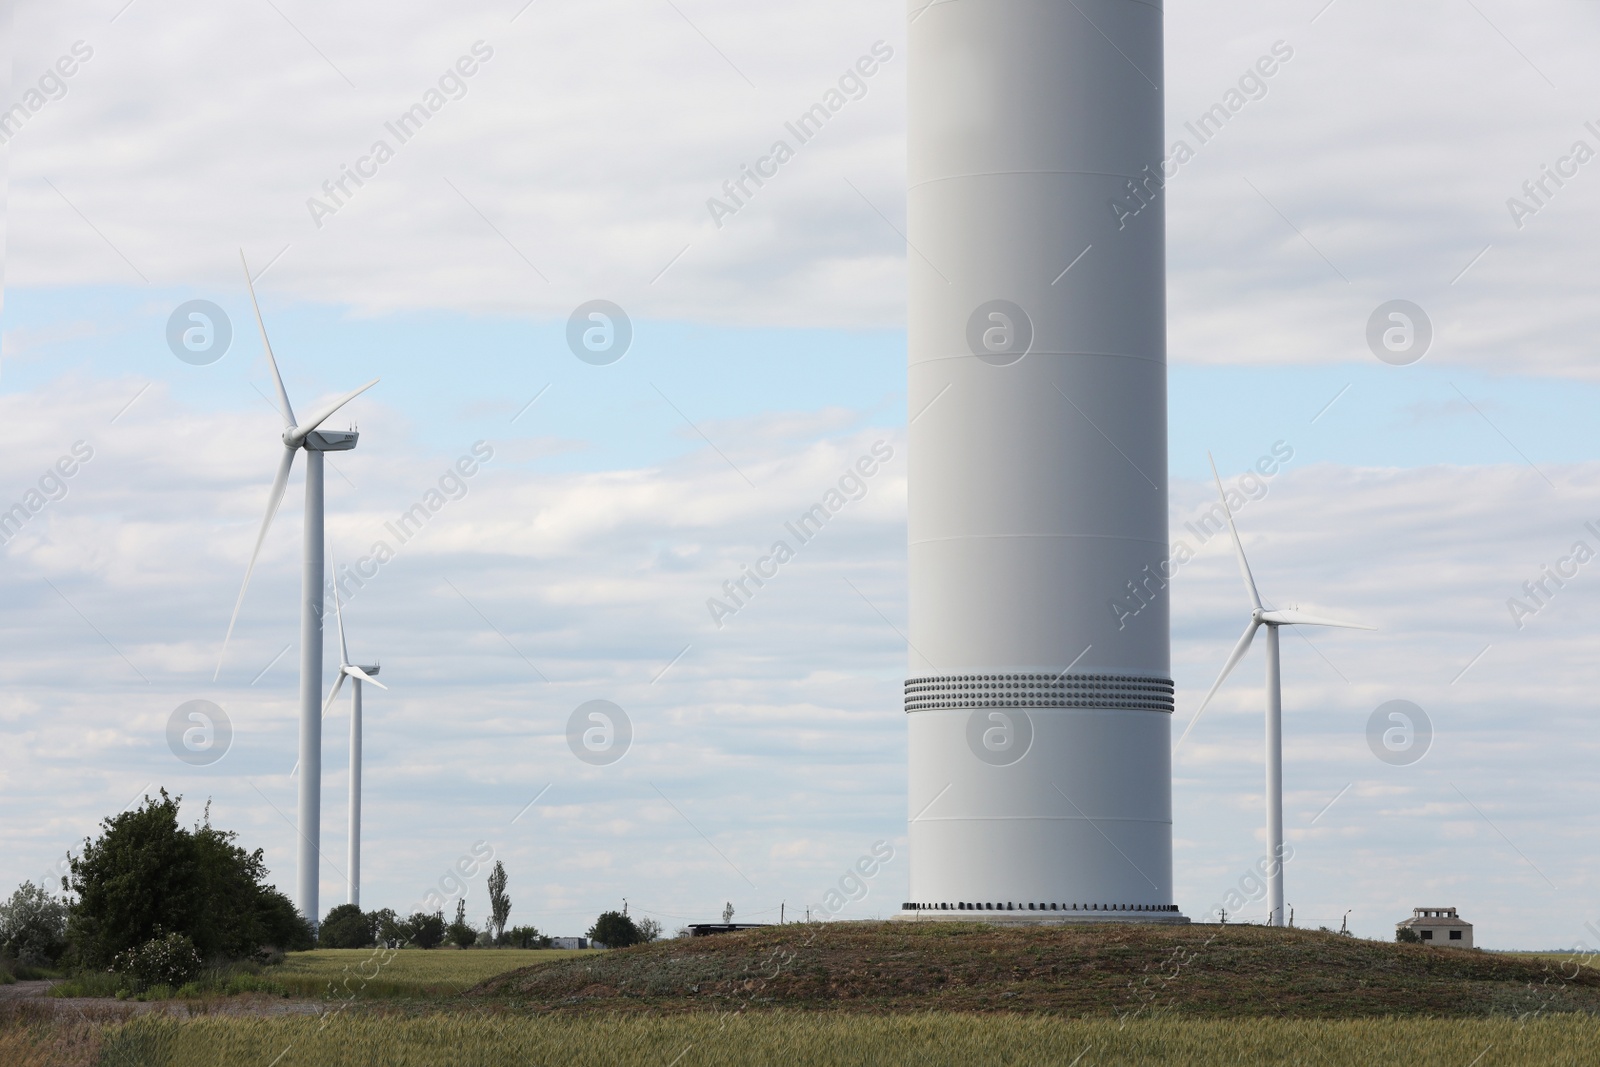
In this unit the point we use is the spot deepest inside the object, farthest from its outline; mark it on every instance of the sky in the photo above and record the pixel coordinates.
(1394, 156)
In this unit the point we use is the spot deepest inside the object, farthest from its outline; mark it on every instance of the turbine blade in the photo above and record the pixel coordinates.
(1300, 618)
(337, 684)
(344, 650)
(283, 397)
(1238, 546)
(1227, 668)
(318, 417)
(274, 498)
(356, 672)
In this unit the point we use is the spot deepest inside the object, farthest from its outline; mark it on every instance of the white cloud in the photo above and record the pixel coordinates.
(593, 138)
(778, 737)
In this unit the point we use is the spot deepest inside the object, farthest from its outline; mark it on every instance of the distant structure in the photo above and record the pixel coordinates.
(569, 942)
(707, 929)
(1439, 926)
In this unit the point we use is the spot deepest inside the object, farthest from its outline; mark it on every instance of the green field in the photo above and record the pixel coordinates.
(341, 973)
(862, 993)
(469, 1040)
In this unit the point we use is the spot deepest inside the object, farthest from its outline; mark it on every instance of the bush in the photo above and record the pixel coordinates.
(283, 928)
(614, 930)
(345, 927)
(460, 931)
(146, 877)
(525, 937)
(649, 930)
(33, 927)
(389, 929)
(1408, 935)
(424, 930)
(170, 960)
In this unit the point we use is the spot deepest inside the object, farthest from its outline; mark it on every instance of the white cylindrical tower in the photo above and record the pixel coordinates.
(1039, 700)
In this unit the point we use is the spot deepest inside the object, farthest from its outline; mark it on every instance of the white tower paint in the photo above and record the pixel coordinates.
(309, 840)
(353, 859)
(1039, 700)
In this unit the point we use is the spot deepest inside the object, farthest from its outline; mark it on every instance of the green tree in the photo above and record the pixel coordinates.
(461, 931)
(499, 903)
(1408, 935)
(345, 927)
(526, 937)
(425, 930)
(387, 926)
(649, 930)
(614, 930)
(33, 926)
(146, 877)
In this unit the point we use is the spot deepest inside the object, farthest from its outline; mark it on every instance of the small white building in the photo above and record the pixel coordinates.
(1438, 926)
(569, 942)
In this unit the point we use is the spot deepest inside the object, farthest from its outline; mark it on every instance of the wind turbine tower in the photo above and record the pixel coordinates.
(1038, 709)
(357, 675)
(297, 437)
(1273, 620)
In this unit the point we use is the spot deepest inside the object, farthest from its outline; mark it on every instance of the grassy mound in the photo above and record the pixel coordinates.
(1116, 971)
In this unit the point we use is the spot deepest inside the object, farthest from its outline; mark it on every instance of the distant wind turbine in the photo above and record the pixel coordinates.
(1259, 617)
(297, 436)
(359, 675)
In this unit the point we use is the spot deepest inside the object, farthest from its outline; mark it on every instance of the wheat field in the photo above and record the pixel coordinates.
(795, 1040)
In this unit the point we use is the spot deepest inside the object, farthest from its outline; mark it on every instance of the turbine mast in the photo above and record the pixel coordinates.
(308, 874)
(354, 859)
(1274, 780)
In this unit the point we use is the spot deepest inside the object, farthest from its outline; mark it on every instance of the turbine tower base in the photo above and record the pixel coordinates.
(1041, 914)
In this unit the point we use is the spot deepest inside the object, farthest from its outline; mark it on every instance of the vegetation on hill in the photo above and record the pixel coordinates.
(1113, 970)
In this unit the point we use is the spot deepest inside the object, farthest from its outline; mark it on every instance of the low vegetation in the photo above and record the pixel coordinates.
(470, 1040)
(1126, 972)
(343, 974)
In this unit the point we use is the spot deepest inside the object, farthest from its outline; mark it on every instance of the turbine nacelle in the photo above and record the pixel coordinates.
(346, 668)
(296, 435)
(326, 440)
(1260, 614)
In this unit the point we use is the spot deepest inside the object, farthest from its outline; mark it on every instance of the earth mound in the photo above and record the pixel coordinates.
(1119, 971)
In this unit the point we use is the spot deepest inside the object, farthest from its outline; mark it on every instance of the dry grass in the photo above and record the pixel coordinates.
(33, 1035)
(362, 973)
(798, 1040)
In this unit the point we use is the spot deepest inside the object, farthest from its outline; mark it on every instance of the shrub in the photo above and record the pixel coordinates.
(345, 927)
(649, 930)
(388, 927)
(525, 937)
(460, 931)
(170, 960)
(1408, 935)
(146, 876)
(424, 930)
(614, 930)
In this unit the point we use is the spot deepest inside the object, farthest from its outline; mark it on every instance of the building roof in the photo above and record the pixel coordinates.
(1434, 917)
